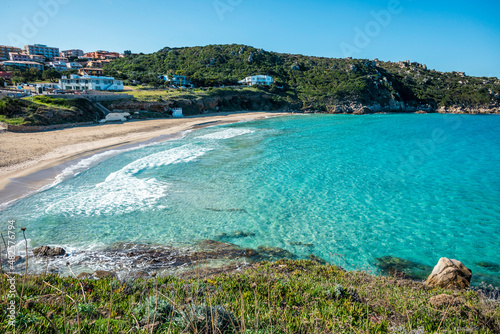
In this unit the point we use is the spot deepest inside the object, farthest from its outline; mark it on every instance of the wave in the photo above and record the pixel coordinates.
(226, 134)
(123, 192)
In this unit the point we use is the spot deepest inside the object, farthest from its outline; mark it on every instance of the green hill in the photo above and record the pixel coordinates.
(324, 84)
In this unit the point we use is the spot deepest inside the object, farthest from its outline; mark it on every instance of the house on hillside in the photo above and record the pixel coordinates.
(74, 65)
(58, 65)
(176, 80)
(91, 71)
(257, 80)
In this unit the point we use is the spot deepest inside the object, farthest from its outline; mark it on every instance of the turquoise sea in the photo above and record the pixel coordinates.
(349, 189)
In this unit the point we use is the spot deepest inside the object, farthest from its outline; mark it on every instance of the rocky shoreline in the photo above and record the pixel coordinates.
(266, 102)
(127, 260)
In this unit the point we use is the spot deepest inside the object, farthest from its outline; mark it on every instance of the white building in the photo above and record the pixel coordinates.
(87, 82)
(74, 65)
(58, 65)
(257, 80)
(46, 85)
(177, 112)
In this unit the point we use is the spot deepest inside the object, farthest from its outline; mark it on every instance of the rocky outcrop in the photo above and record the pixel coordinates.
(48, 251)
(450, 274)
(493, 109)
(200, 105)
(103, 274)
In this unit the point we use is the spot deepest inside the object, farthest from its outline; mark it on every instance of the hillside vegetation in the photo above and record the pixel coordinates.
(324, 84)
(44, 110)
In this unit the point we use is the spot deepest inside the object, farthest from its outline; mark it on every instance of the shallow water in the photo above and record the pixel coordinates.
(349, 189)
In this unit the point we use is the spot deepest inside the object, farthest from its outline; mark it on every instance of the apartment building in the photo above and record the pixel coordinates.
(71, 53)
(6, 50)
(41, 49)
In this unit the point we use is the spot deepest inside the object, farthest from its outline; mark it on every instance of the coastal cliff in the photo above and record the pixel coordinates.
(329, 85)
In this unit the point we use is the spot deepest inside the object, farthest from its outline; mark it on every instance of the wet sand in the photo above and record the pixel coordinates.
(27, 160)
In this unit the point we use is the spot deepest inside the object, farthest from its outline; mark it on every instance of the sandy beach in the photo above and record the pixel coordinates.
(22, 154)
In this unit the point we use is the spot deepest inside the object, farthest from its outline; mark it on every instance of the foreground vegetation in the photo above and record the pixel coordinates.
(281, 297)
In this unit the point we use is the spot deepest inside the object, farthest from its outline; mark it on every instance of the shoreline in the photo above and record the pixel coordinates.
(32, 174)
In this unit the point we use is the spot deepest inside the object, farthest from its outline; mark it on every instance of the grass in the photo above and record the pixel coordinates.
(281, 297)
(158, 95)
(12, 121)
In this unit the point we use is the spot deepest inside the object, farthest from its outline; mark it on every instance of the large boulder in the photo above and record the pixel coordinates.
(449, 274)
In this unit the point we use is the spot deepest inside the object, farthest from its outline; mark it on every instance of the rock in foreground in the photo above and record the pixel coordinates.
(48, 251)
(450, 274)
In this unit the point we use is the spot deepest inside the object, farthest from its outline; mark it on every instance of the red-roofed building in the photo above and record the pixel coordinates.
(6, 75)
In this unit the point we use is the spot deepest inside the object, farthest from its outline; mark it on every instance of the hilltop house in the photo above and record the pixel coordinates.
(17, 56)
(87, 82)
(257, 80)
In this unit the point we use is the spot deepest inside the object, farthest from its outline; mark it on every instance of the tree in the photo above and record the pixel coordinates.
(51, 74)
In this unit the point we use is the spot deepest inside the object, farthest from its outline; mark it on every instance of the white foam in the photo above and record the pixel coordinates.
(176, 155)
(226, 134)
(117, 196)
(123, 192)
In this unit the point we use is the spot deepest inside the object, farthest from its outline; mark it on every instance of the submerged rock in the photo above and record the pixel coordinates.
(226, 210)
(488, 265)
(48, 251)
(399, 267)
(317, 259)
(299, 243)
(450, 274)
(234, 235)
(274, 253)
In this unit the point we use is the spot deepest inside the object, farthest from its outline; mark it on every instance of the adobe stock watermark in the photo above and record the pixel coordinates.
(11, 286)
(372, 29)
(31, 25)
(224, 6)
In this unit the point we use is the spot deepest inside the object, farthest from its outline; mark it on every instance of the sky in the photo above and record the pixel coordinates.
(445, 35)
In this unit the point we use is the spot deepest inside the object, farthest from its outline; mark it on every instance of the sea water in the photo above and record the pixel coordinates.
(349, 189)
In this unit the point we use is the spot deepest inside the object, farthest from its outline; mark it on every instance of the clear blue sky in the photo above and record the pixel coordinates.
(446, 35)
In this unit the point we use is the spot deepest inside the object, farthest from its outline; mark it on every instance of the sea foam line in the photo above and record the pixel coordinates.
(226, 133)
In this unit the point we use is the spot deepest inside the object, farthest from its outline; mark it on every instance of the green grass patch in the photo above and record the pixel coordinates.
(12, 121)
(281, 297)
